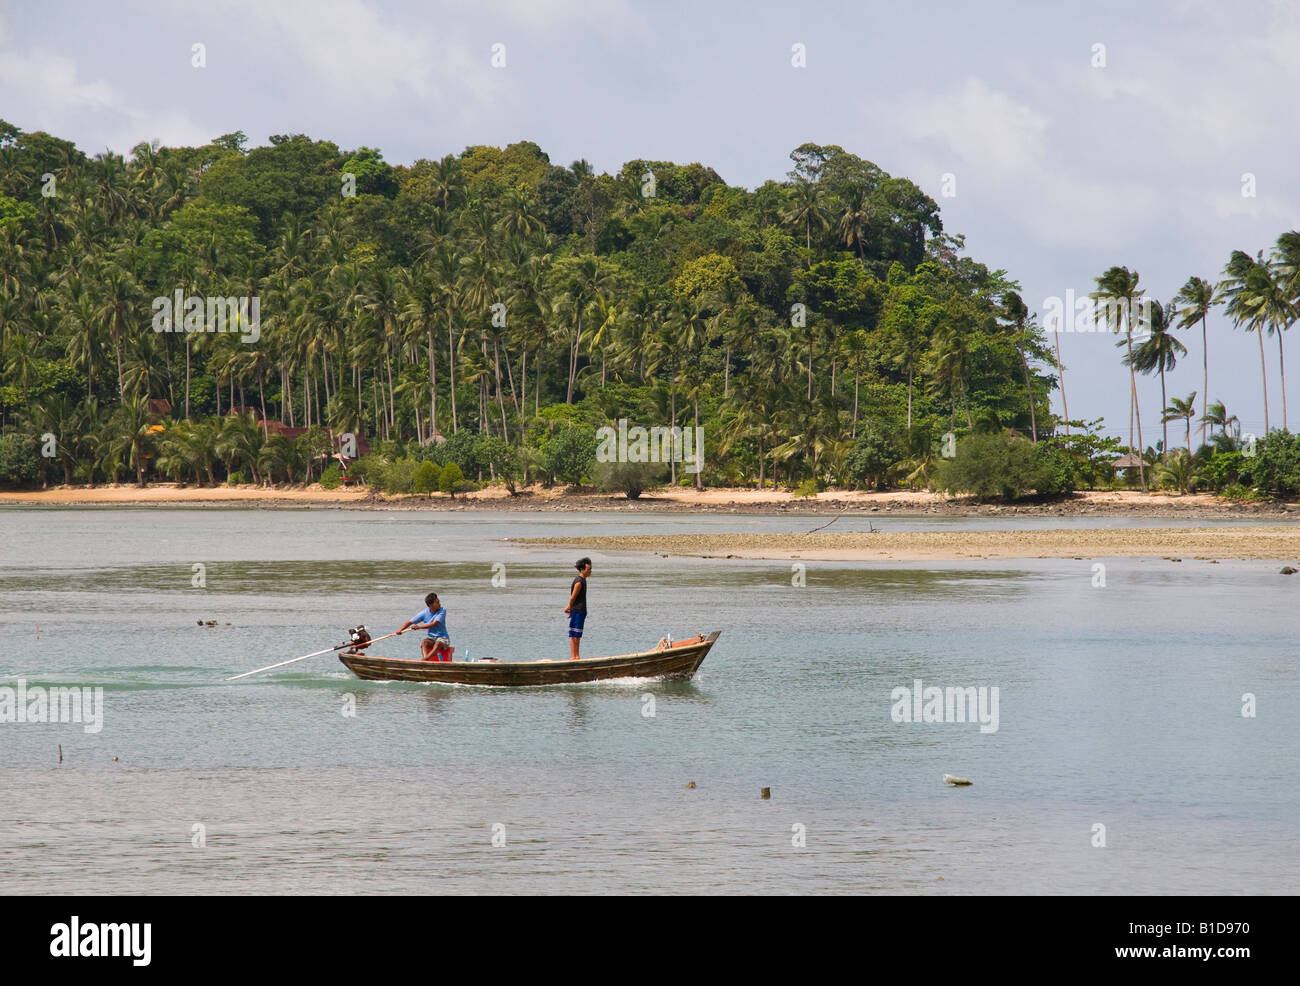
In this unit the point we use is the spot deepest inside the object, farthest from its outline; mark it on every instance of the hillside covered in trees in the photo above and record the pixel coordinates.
(490, 309)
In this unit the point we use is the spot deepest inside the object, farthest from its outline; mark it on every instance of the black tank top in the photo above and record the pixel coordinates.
(579, 603)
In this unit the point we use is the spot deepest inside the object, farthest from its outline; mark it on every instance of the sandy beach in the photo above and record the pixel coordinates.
(1107, 503)
(1278, 542)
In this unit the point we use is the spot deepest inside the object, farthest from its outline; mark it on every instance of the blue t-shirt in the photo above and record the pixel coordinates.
(438, 619)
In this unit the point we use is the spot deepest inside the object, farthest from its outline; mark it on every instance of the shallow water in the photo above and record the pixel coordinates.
(1118, 706)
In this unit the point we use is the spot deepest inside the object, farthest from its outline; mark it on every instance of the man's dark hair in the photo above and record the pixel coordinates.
(581, 563)
(430, 599)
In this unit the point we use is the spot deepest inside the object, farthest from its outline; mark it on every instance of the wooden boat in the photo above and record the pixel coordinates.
(681, 659)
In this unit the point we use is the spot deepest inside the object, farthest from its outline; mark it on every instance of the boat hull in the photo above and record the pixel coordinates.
(679, 661)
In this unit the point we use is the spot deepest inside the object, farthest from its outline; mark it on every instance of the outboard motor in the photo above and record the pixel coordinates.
(360, 637)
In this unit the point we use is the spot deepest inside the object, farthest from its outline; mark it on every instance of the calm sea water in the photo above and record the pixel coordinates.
(1118, 707)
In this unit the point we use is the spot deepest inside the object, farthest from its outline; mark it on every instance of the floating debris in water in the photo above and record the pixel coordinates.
(690, 785)
(955, 781)
(765, 794)
(1288, 570)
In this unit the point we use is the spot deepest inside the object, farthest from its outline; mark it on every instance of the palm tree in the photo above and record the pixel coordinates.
(20, 362)
(1016, 312)
(1253, 298)
(1182, 409)
(119, 308)
(855, 219)
(131, 441)
(807, 208)
(1286, 261)
(587, 282)
(1196, 297)
(444, 268)
(1160, 352)
(241, 442)
(423, 309)
(1118, 289)
(951, 367)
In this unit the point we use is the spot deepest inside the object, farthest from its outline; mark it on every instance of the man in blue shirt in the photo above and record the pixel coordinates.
(436, 646)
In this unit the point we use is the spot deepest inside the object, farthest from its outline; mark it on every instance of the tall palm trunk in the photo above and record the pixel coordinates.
(699, 448)
(1134, 412)
(573, 360)
(392, 410)
(856, 378)
(1205, 384)
(433, 388)
(501, 400)
(1029, 390)
(672, 423)
(1263, 377)
(523, 384)
(1164, 403)
(451, 357)
(1060, 375)
(1281, 366)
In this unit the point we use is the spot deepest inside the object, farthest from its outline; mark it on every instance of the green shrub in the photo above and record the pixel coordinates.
(426, 478)
(570, 453)
(1002, 465)
(807, 488)
(331, 478)
(873, 457)
(367, 469)
(452, 480)
(399, 477)
(1275, 467)
(1235, 491)
(19, 459)
(1222, 469)
(1055, 470)
(236, 478)
(630, 478)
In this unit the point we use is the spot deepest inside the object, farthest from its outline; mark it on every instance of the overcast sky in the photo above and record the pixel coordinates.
(1062, 167)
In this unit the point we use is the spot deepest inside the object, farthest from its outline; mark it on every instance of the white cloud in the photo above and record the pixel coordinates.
(354, 54)
(978, 124)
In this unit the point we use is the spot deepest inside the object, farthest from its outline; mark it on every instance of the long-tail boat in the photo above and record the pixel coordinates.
(670, 659)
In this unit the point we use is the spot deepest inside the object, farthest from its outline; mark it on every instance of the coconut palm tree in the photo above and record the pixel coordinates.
(807, 208)
(1016, 312)
(951, 367)
(131, 441)
(1195, 299)
(1182, 409)
(1159, 352)
(1253, 299)
(854, 219)
(1117, 289)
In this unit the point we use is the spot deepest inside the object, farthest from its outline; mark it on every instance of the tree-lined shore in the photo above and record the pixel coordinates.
(476, 318)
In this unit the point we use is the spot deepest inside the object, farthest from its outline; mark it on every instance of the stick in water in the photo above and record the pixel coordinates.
(295, 660)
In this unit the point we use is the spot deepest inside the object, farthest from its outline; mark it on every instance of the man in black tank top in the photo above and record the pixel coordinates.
(577, 608)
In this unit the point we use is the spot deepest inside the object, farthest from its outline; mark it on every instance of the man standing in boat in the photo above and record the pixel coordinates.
(577, 608)
(436, 646)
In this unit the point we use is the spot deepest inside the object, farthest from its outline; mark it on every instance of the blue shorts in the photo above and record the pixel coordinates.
(576, 620)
